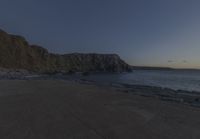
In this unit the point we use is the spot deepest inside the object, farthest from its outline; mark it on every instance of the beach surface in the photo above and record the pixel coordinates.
(58, 109)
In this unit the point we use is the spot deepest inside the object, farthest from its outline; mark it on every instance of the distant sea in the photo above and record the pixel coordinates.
(188, 80)
(174, 79)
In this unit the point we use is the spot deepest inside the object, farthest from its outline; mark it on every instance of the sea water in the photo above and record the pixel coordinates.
(174, 79)
(188, 80)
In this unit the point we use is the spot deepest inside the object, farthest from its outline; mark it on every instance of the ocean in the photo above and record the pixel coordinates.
(188, 80)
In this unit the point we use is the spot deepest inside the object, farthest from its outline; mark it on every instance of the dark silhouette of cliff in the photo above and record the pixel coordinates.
(17, 53)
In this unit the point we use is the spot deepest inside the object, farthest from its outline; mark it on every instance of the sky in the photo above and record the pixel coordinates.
(143, 32)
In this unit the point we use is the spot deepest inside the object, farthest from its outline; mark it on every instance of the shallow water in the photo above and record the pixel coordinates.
(188, 80)
(175, 79)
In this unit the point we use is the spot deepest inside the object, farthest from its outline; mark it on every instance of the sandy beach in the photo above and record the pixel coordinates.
(56, 109)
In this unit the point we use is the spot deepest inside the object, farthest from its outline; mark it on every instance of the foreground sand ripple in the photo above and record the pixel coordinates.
(69, 110)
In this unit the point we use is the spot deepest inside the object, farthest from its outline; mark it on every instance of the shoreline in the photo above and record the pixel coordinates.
(191, 98)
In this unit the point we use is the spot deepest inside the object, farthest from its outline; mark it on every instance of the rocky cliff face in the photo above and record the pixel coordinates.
(16, 53)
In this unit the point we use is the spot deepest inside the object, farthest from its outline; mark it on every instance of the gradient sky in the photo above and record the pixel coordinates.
(142, 32)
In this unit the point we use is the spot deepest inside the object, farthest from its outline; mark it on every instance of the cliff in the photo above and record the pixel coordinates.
(17, 53)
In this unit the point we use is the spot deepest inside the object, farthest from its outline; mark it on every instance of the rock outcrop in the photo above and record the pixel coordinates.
(16, 53)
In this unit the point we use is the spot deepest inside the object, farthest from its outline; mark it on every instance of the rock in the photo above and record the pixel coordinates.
(86, 73)
(16, 53)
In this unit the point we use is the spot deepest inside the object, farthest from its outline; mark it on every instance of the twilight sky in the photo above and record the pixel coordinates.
(142, 32)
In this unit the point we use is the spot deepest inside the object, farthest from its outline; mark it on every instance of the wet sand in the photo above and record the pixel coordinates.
(48, 109)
